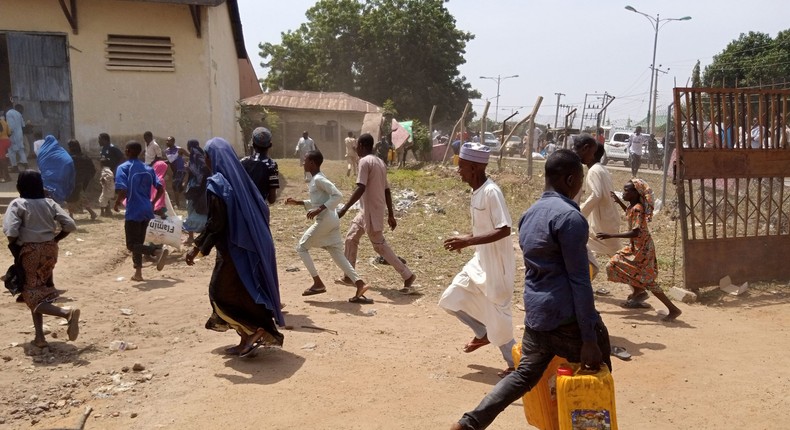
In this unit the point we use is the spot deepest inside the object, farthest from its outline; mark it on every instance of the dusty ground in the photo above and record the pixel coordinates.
(396, 364)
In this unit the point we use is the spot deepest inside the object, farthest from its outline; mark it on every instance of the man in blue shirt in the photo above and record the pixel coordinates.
(561, 317)
(133, 182)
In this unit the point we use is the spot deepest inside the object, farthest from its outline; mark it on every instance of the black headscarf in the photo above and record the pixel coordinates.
(30, 185)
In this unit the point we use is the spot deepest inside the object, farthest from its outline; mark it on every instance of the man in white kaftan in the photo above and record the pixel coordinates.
(599, 207)
(481, 294)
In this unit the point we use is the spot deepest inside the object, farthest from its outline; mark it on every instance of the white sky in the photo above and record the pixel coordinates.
(568, 46)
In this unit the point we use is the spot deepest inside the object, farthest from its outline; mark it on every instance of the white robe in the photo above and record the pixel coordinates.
(601, 211)
(484, 287)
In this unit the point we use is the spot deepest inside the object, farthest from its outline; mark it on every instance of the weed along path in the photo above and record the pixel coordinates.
(395, 364)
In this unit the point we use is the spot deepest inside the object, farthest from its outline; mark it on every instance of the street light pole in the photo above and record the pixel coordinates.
(498, 80)
(557, 114)
(656, 23)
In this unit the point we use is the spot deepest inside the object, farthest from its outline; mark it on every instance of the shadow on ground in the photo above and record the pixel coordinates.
(268, 366)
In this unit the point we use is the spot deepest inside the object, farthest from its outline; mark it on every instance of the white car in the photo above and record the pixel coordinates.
(615, 149)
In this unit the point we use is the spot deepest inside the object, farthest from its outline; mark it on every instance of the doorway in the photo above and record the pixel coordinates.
(35, 72)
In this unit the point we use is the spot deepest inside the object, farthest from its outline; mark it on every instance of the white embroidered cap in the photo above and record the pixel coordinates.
(475, 152)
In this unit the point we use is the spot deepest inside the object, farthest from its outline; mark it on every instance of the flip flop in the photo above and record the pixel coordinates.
(476, 343)
(312, 292)
(362, 300)
(74, 324)
(632, 304)
(621, 353)
(342, 281)
(251, 351)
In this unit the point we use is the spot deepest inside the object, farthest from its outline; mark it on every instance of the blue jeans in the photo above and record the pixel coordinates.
(538, 348)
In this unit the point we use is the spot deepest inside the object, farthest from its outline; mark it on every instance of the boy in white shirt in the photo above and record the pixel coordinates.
(325, 232)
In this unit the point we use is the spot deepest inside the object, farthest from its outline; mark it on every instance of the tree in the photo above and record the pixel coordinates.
(408, 51)
(754, 59)
(696, 82)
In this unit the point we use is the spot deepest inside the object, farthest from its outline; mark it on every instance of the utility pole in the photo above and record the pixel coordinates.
(584, 109)
(655, 98)
(557, 113)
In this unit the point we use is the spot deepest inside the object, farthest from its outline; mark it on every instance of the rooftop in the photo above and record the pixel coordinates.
(311, 100)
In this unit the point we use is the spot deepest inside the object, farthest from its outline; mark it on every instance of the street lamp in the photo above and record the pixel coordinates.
(656, 23)
(498, 80)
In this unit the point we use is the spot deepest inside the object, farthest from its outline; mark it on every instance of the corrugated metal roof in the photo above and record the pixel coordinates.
(194, 2)
(311, 100)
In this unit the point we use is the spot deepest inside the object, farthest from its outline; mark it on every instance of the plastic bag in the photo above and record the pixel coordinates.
(165, 231)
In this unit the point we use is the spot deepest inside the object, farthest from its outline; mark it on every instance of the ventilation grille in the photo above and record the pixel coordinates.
(140, 53)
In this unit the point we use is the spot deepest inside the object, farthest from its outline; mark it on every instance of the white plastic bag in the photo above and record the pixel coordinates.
(165, 231)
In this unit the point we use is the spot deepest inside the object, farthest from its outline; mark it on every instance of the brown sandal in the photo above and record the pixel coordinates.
(476, 343)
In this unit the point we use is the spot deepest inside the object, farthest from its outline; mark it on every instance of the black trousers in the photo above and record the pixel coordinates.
(135, 241)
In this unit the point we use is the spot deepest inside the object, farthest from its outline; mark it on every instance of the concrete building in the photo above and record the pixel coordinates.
(82, 67)
(328, 117)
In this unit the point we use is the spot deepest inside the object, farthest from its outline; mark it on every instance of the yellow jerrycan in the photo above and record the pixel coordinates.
(540, 403)
(585, 400)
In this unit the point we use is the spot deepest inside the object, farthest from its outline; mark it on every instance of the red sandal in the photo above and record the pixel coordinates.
(476, 343)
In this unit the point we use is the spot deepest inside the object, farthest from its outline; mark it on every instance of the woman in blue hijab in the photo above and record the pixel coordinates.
(244, 289)
(57, 170)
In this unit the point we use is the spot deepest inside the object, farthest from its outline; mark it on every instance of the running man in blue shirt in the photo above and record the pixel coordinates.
(133, 182)
(561, 317)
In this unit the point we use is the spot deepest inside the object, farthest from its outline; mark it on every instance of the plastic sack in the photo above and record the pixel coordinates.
(165, 231)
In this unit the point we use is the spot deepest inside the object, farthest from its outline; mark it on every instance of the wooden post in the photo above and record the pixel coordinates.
(430, 136)
(483, 122)
(459, 122)
(530, 129)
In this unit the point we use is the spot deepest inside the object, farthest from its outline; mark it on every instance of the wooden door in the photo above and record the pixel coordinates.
(41, 81)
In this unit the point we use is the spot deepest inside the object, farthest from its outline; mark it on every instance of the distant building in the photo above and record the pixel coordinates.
(175, 67)
(328, 117)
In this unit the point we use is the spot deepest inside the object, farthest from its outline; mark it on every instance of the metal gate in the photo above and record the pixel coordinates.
(732, 168)
(41, 81)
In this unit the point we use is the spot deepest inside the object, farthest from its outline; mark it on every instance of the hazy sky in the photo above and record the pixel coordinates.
(568, 46)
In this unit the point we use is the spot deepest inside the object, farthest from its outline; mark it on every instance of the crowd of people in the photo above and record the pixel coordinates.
(227, 199)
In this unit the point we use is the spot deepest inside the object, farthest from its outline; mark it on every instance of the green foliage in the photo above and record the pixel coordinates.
(408, 51)
(389, 108)
(251, 117)
(696, 81)
(421, 137)
(751, 60)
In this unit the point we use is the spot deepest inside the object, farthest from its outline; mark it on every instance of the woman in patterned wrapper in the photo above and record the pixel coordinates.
(636, 263)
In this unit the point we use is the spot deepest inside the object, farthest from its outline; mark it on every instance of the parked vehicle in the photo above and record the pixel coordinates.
(514, 146)
(616, 149)
(490, 140)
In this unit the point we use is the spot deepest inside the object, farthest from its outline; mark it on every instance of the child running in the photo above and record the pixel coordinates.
(636, 264)
(34, 225)
(325, 232)
(107, 181)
